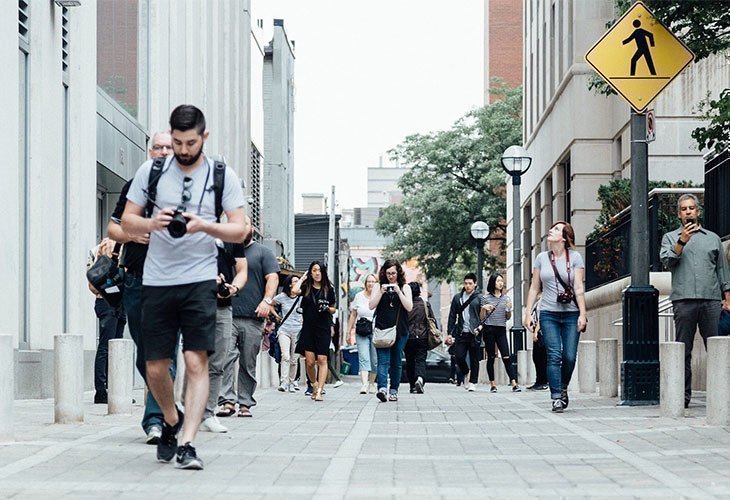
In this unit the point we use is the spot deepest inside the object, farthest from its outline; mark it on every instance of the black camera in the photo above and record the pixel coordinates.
(565, 297)
(389, 288)
(323, 305)
(179, 224)
(223, 290)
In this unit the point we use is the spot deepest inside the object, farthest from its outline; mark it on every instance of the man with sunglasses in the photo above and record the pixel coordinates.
(179, 281)
(133, 256)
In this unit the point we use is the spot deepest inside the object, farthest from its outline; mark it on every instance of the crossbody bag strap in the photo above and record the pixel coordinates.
(294, 306)
(466, 304)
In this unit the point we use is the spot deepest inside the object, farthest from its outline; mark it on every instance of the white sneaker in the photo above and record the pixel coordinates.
(471, 388)
(338, 383)
(372, 388)
(364, 389)
(211, 424)
(154, 434)
(292, 388)
(282, 387)
(296, 385)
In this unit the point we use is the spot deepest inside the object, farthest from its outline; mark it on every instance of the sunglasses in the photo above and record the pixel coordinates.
(186, 195)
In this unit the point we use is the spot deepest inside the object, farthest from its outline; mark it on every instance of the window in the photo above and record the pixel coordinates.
(24, 24)
(117, 55)
(255, 192)
(567, 189)
(64, 43)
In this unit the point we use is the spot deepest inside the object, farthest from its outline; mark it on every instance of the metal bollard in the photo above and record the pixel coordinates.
(718, 380)
(522, 362)
(671, 379)
(120, 376)
(68, 378)
(587, 366)
(7, 388)
(608, 368)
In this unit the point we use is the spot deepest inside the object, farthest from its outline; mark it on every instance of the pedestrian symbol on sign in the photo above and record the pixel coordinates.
(640, 36)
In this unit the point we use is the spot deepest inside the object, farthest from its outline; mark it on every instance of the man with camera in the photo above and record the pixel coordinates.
(700, 281)
(133, 256)
(179, 281)
(463, 319)
(251, 307)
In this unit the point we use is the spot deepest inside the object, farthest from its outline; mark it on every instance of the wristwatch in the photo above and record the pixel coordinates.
(267, 300)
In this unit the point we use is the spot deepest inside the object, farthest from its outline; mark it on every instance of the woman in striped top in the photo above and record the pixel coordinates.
(496, 310)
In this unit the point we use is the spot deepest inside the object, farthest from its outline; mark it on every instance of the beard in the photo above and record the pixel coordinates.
(189, 160)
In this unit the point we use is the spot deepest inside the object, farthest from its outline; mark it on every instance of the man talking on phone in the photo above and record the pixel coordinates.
(700, 286)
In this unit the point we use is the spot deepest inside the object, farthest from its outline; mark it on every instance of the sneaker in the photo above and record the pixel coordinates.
(393, 396)
(308, 392)
(364, 389)
(153, 434)
(471, 387)
(516, 388)
(372, 388)
(558, 405)
(493, 388)
(382, 395)
(413, 390)
(167, 445)
(338, 383)
(101, 398)
(187, 458)
(419, 385)
(537, 387)
(211, 424)
(564, 398)
(282, 387)
(296, 385)
(292, 388)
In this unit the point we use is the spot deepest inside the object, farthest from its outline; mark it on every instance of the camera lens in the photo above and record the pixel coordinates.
(178, 225)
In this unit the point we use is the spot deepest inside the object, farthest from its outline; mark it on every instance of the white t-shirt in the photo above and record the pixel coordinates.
(551, 286)
(360, 304)
(293, 323)
(192, 258)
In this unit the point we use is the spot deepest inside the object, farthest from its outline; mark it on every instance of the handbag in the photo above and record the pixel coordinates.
(435, 338)
(384, 338)
(107, 277)
(364, 327)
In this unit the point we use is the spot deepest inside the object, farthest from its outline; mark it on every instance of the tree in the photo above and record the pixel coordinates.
(704, 26)
(455, 178)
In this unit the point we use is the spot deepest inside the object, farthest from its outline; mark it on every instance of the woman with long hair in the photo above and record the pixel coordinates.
(318, 306)
(495, 311)
(392, 301)
(288, 332)
(360, 332)
(416, 348)
(559, 272)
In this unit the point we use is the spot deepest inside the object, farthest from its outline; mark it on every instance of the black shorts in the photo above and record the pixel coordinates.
(167, 310)
(316, 341)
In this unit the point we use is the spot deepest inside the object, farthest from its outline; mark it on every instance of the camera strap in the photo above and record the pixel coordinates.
(557, 274)
(293, 307)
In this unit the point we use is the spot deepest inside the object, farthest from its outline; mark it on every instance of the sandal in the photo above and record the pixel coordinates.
(393, 397)
(318, 396)
(244, 412)
(227, 409)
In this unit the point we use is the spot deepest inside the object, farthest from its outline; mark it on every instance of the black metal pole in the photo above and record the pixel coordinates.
(517, 332)
(640, 366)
(480, 263)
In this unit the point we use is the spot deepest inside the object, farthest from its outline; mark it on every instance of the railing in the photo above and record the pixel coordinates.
(717, 194)
(666, 317)
(608, 256)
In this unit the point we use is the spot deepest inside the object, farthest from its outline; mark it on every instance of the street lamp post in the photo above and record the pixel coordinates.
(516, 161)
(480, 232)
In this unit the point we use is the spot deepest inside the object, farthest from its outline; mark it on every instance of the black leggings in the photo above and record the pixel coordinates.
(497, 335)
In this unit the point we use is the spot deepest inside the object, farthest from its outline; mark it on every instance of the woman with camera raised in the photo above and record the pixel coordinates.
(318, 306)
(559, 272)
(360, 331)
(392, 301)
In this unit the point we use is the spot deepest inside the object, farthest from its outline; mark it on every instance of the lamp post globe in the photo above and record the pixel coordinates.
(516, 161)
(479, 230)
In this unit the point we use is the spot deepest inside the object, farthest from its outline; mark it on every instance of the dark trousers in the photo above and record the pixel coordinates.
(111, 326)
(539, 358)
(331, 358)
(416, 351)
(689, 314)
(455, 373)
(463, 346)
(496, 336)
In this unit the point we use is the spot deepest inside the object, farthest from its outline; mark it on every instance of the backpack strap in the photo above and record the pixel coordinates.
(155, 173)
(219, 182)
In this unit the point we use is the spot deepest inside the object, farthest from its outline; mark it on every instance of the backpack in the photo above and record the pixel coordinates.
(219, 180)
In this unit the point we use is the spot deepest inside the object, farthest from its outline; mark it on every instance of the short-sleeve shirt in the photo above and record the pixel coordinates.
(191, 258)
(312, 319)
(261, 262)
(498, 317)
(293, 323)
(551, 286)
(361, 305)
(227, 265)
(134, 253)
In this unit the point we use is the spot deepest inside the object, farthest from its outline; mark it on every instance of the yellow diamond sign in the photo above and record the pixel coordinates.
(639, 56)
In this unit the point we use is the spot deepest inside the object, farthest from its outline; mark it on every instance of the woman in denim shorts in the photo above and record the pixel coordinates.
(360, 320)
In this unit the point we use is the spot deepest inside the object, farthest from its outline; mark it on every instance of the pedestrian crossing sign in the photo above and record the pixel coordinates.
(639, 56)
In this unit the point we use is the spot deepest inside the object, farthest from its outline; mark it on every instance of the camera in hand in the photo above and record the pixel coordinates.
(565, 297)
(389, 288)
(223, 290)
(323, 305)
(179, 224)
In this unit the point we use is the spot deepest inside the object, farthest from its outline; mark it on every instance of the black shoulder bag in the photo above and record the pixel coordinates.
(107, 277)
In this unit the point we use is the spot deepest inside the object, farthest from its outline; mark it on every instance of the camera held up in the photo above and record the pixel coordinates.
(179, 224)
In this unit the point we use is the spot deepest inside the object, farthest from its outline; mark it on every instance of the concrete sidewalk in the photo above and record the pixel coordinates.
(446, 443)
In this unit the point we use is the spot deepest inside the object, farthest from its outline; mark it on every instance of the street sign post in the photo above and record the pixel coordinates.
(638, 57)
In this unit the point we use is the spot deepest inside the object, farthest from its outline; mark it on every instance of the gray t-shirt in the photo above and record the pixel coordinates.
(261, 261)
(192, 258)
(549, 301)
(293, 323)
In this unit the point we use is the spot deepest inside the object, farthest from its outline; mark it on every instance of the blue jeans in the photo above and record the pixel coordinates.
(390, 361)
(366, 354)
(133, 305)
(560, 334)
